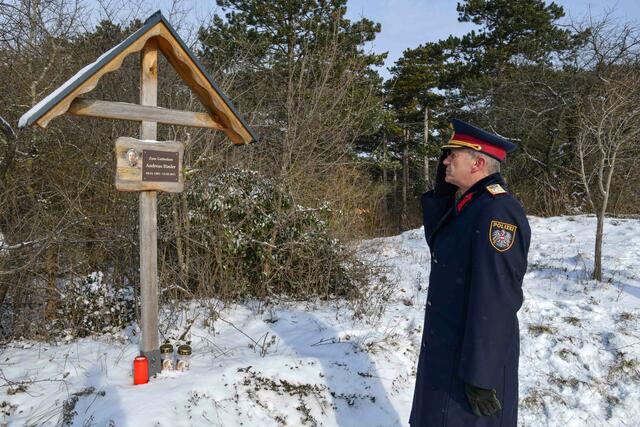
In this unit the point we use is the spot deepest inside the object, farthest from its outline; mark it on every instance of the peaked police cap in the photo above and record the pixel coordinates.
(466, 135)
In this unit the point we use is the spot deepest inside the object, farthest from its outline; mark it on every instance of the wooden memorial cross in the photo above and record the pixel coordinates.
(146, 165)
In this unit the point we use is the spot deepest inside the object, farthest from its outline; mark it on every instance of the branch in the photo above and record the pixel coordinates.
(10, 151)
(583, 174)
(7, 130)
(4, 247)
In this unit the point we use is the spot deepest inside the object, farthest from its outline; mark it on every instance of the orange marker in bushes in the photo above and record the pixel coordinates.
(140, 370)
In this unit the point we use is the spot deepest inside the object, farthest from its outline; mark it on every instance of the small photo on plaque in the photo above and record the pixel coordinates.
(132, 157)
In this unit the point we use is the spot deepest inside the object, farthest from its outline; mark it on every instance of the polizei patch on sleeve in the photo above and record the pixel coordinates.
(502, 235)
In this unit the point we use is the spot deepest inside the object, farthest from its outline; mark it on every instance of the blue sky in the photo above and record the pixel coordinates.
(409, 23)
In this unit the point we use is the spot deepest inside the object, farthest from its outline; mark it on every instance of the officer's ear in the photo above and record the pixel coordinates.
(479, 163)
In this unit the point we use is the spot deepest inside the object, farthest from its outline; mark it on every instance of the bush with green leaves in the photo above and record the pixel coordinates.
(255, 241)
(93, 306)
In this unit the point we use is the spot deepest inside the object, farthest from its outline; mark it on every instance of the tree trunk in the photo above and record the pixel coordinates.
(405, 179)
(186, 228)
(9, 136)
(179, 233)
(384, 160)
(385, 178)
(4, 288)
(51, 268)
(597, 262)
(426, 146)
(10, 139)
(395, 196)
(606, 193)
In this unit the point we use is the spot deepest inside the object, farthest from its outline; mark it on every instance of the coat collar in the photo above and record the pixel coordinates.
(476, 189)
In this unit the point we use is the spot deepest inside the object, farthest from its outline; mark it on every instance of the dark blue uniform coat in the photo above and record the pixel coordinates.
(479, 245)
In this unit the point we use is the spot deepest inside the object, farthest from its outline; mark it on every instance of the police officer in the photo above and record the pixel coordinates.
(478, 236)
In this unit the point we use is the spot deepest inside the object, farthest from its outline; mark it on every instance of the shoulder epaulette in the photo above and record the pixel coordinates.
(496, 190)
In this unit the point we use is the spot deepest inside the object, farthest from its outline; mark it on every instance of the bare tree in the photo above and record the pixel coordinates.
(608, 119)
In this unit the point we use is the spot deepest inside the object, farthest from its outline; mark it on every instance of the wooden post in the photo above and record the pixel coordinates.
(148, 219)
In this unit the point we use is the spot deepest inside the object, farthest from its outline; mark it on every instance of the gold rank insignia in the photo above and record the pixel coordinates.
(495, 189)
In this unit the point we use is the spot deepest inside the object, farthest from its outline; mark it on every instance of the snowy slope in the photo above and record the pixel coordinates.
(314, 365)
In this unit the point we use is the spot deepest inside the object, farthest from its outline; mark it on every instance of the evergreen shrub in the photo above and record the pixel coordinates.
(93, 306)
(255, 241)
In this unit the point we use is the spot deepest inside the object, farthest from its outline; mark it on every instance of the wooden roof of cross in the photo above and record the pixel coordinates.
(220, 115)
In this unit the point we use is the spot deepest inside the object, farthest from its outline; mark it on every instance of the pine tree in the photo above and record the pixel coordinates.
(306, 83)
(300, 62)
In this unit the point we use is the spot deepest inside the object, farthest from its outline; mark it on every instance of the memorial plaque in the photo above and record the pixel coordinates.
(149, 165)
(162, 166)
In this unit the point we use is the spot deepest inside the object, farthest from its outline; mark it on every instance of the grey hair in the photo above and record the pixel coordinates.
(493, 165)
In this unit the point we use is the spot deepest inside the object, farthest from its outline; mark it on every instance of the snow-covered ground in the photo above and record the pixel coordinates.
(298, 365)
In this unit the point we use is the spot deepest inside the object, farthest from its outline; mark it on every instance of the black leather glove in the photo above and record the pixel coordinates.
(484, 403)
(442, 188)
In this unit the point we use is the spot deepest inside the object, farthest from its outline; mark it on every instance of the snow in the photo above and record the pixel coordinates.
(313, 364)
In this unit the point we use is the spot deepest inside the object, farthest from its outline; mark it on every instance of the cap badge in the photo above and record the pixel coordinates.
(502, 235)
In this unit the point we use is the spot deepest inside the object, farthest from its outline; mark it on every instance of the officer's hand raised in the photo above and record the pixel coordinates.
(484, 403)
(441, 187)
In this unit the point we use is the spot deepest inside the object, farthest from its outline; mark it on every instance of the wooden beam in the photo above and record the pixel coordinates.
(186, 69)
(149, 342)
(134, 112)
(198, 82)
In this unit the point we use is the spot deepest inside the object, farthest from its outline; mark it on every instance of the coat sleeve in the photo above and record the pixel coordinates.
(433, 211)
(498, 264)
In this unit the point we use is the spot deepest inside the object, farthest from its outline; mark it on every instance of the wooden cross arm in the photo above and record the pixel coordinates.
(134, 112)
